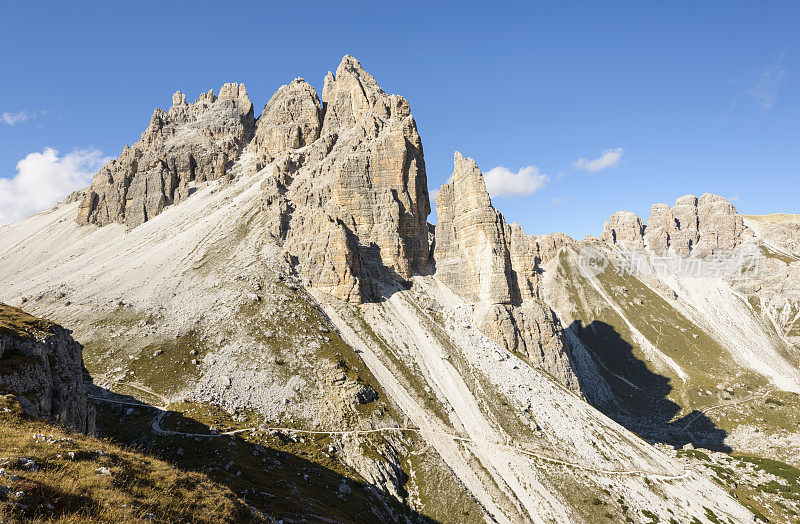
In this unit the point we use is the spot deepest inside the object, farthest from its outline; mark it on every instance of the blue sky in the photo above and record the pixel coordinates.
(680, 97)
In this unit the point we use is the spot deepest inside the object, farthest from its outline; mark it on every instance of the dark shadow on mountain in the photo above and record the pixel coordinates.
(273, 477)
(644, 408)
(378, 281)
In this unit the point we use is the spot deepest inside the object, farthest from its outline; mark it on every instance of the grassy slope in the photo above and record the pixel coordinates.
(15, 322)
(713, 378)
(66, 487)
(281, 475)
(769, 488)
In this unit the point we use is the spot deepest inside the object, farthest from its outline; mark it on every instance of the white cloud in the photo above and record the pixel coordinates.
(502, 182)
(765, 84)
(432, 196)
(43, 179)
(559, 200)
(734, 198)
(19, 117)
(609, 158)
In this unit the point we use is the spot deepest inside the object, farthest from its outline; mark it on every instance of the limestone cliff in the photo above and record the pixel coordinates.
(351, 207)
(703, 226)
(42, 365)
(495, 266)
(625, 229)
(189, 143)
(348, 199)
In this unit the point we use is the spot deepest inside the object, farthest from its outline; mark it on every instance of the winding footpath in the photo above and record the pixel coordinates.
(162, 412)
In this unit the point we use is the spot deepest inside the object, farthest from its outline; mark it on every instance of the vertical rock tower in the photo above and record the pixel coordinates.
(495, 266)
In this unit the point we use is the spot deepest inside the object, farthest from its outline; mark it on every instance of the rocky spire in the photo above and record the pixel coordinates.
(494, 266)
(351, 94)
(348, 198)
(472, 254)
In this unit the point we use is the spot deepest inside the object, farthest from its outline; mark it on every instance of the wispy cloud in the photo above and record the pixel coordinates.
(20, 117)
(765, 85)
(504, 183)
(558, 200)
(734, 198)
(42, 179)
(610, 158)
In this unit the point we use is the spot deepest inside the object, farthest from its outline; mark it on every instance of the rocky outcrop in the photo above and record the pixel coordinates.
(291, 119)
(42, 366)
(351, 207)
(472, 252)
(624, 229)
(782, 230)
(496, 267)
(189, 143)
(703, 226)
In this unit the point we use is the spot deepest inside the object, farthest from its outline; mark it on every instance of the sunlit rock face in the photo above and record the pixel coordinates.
(189, 143)
(348, 199)
(495, 267)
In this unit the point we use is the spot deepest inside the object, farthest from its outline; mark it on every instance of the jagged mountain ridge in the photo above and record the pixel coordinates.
(333, 192)
(348, 174)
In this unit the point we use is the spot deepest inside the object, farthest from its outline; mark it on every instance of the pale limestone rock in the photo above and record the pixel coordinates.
(495, 266)
(525, 256)
(190, 142)
(701, 226)
(291, 119)
(472, 254)
(352, 94)
(659, 226)
(347, 197)
(780, 229)
(721, 227)
(178, 99)
(624, 229)
(360, 187)
(550, 245)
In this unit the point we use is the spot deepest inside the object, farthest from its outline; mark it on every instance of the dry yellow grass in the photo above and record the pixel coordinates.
(66, 486)
(15, 322)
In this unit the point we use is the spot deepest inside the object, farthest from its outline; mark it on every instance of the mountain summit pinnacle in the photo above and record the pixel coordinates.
(346, 195)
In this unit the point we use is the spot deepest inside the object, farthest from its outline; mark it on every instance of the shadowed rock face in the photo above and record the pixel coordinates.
(42, 365)
(496, 266)
(188, 143)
